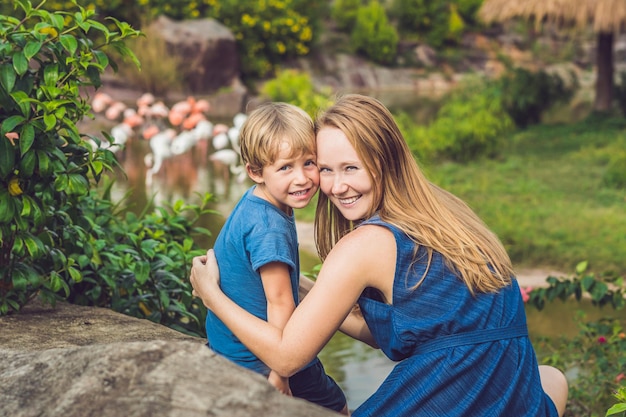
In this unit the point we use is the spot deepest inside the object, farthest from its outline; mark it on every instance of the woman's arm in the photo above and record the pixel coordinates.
(363, 258)
(354, 325)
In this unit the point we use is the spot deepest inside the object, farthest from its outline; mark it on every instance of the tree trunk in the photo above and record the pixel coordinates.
(604, 80)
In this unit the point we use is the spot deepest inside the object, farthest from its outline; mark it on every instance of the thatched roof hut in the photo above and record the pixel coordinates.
(606, 17)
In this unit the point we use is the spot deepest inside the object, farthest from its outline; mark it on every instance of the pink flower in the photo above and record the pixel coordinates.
(619, 377)
(601, 339)
(525, 293)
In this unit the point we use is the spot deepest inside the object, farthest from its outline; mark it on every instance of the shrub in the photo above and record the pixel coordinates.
(527, 94)
(470, 124)
(137, 264)
(615, 174)
(344, 13)
(45, 168)
(267, 32)
(427, 18)
(296, 87)
(373, 35)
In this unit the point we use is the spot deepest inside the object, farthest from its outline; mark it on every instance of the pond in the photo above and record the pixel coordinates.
(358, 368)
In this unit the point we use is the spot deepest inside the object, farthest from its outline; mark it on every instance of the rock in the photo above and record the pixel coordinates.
(207, 48)
(73, 361)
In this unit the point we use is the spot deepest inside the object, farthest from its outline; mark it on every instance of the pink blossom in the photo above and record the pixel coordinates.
(525, 293)
(619, 377)
(601, 339)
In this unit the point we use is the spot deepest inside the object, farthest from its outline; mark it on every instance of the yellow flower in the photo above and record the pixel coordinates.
(14, 187)
(49, 31)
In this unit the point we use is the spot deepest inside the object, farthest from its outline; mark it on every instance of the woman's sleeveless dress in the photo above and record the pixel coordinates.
(460, 355)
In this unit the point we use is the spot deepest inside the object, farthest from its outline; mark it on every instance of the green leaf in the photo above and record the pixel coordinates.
(51, 74)
(7, 157)
(27, 137)
(617, 408)
(31, 246)
(19, 280)
(31, 49)
(7, 207)
(8, 125)
(78, 184)
(50, 121)
(27, 164)
(142, 272)
(44, 163)
(20, 63)
(7, 77)
(69, 43)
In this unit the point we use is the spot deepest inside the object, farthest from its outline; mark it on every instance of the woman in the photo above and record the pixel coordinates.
(434, 285)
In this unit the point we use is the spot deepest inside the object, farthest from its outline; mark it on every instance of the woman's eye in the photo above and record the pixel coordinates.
(324, 169)
(309, 163)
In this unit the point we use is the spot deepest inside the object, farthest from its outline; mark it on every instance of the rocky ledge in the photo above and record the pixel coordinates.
(71, 361)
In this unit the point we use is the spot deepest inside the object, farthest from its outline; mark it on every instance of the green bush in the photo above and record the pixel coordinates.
(594, 359)
(45, 167)
(470, 124)
(267, 32)
(344, 13)
(615, 174)
(291, 86)
(373, 35)
(429, 19)
(137, 264)
(527, 94)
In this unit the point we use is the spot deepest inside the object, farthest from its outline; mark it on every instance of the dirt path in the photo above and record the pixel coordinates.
(527, 277)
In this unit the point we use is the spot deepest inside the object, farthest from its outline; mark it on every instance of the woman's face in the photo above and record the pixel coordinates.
(343, 176)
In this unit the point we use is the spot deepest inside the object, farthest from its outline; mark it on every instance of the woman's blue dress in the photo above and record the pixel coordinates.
(460, 354)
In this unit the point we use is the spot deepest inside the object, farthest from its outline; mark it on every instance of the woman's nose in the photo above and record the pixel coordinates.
(339, 186)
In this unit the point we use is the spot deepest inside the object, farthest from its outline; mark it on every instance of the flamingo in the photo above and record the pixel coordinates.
(120, 133)
(220, 141)
(160, 146)
(101, 101)
(230, 159)
(182, 142)
(239, 120)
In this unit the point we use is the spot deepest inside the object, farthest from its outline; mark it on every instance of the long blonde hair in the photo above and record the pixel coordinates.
(432, 217)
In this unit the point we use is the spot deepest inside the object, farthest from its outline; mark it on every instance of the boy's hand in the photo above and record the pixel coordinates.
(280, 383)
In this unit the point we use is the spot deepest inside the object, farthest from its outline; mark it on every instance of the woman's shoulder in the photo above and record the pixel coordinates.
(367, 240)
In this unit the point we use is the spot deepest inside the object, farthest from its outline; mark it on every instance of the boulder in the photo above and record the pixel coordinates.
(207, 48)
(71, 361)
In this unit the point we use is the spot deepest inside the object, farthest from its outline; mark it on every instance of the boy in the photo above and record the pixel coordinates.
(257, 248)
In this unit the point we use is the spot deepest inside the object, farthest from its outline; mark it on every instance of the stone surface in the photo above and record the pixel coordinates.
(73, 361)
(207, 48)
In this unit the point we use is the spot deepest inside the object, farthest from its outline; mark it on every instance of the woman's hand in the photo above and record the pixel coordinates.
(205, 277)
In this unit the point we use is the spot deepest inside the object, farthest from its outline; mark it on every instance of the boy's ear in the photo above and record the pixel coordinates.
(254, 175)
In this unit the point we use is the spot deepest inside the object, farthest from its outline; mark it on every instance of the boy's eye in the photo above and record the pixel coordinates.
(284, 168)
(324, 169)
(309, 163)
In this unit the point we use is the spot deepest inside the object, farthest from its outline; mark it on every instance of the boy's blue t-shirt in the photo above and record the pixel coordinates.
(255, 234)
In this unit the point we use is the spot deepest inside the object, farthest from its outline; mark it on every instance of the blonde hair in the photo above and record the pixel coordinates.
(432, 217)
(271, 125)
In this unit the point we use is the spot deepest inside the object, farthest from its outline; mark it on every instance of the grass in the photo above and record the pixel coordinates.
(545, 196)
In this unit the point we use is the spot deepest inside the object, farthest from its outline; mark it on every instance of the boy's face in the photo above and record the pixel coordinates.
(290, 182)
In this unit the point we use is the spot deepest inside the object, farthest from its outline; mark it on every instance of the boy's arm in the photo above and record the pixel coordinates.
(280, 306)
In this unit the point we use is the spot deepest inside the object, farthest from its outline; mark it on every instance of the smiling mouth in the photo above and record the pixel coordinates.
(300, 193)
(348, 201)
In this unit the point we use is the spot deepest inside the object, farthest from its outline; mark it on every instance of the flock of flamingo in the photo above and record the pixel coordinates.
(171, 131)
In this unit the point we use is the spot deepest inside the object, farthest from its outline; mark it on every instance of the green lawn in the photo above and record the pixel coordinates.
(545, 195)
